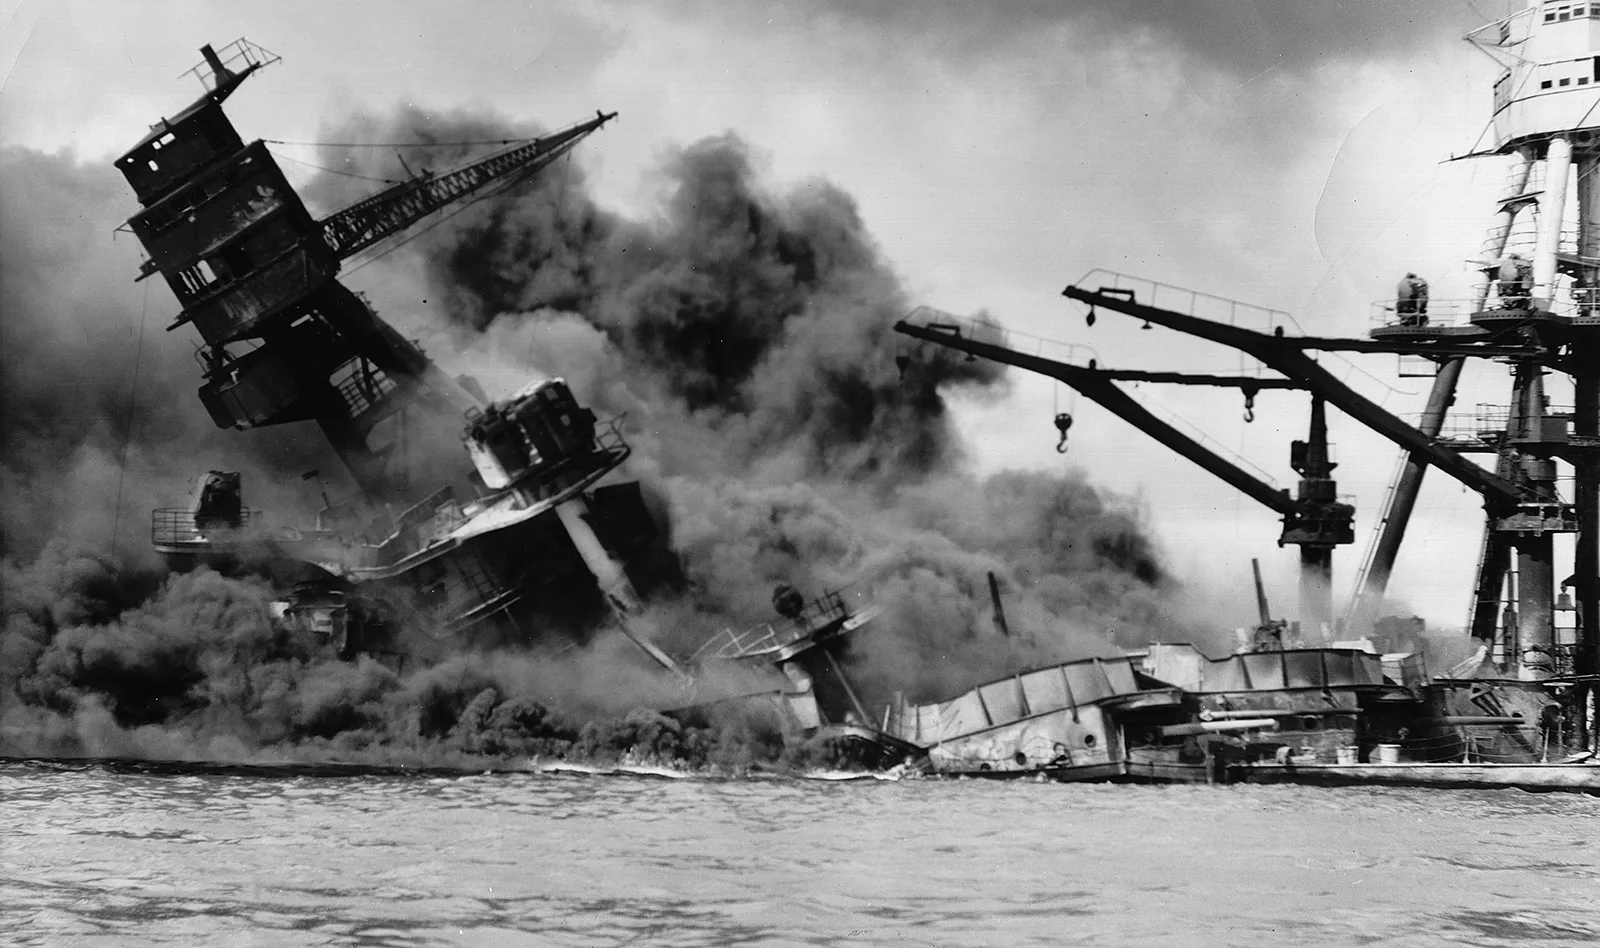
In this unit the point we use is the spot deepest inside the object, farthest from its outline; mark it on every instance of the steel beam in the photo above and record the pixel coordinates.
(1290, 361)
(1094, 384)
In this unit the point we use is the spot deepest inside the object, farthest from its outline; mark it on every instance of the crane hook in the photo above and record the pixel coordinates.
(1063, 422)
(1090, 318)
(1249, 406)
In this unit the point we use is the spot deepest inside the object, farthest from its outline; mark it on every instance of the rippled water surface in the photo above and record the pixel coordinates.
(121, 856)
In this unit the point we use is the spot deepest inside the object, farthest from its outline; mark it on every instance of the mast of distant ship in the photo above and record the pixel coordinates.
(1547, 113)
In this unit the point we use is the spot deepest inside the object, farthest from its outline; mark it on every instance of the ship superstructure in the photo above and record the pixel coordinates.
(461, 530)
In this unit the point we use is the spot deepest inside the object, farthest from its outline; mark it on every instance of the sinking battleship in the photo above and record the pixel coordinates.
(466, 544)
(1522, 711)
(525, 528)
(530, 517)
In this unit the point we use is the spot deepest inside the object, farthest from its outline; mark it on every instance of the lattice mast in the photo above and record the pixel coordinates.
(1542, 288)
(255, 274)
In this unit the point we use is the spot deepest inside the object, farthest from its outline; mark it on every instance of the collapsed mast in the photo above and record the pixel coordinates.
(285, 342)
(255, 275)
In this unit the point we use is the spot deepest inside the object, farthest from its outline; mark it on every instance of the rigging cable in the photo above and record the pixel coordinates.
(513, 179)
(347, 174)
(486, 141)
(127, 427)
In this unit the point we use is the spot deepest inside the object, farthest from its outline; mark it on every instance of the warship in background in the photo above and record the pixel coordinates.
(1522, 711)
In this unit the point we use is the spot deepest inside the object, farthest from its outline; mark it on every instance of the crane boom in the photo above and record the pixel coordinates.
(364, 223)
(1096, 384)
(1314, 519)
(1285, 357)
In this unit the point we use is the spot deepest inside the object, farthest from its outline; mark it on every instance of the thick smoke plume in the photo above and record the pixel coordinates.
(746, 333)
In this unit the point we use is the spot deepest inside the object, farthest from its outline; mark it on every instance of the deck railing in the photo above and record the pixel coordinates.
(175, 526)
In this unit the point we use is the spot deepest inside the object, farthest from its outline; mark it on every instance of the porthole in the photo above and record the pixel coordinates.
(1088, 740)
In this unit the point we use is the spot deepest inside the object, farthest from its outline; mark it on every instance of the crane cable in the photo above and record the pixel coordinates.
(347, 174)
(491, 192)
(486, 141)
(127, 426)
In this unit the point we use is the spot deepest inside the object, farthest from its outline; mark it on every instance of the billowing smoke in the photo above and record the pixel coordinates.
(746, 333)
(97, 403)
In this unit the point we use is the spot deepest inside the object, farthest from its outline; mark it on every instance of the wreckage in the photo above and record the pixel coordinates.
(529, 521)
(526, 524)
(466, 544)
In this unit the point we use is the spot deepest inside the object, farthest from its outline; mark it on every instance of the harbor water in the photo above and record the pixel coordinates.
(98, 855)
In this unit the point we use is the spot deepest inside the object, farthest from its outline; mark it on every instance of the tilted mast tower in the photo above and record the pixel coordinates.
(286, 342)
(256, 276)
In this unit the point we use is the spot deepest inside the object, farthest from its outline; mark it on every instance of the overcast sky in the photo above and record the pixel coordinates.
(1286, 154)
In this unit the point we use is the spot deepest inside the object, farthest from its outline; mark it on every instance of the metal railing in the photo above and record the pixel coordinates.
(571, 474)
(237, 56)
(1230, 312)
(992, 333)
(364, 387)
(1487, 424)
(1218, 309)
(175, 526)
(1436, 314)
(1564, 299)
(765, 636)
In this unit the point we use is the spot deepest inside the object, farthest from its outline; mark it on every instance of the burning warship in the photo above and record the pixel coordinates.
(465, 545)
(528, 523)
(530, 518)
(1522, 712)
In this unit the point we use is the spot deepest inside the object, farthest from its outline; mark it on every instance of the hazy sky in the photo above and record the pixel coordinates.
(1287, 154)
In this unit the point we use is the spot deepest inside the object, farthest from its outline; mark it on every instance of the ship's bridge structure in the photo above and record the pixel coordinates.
(255, 274)
(1535, 309)
(284, 341)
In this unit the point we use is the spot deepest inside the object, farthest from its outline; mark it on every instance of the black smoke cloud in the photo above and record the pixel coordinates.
(97, 403)
(745, 332)
(766, 318)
